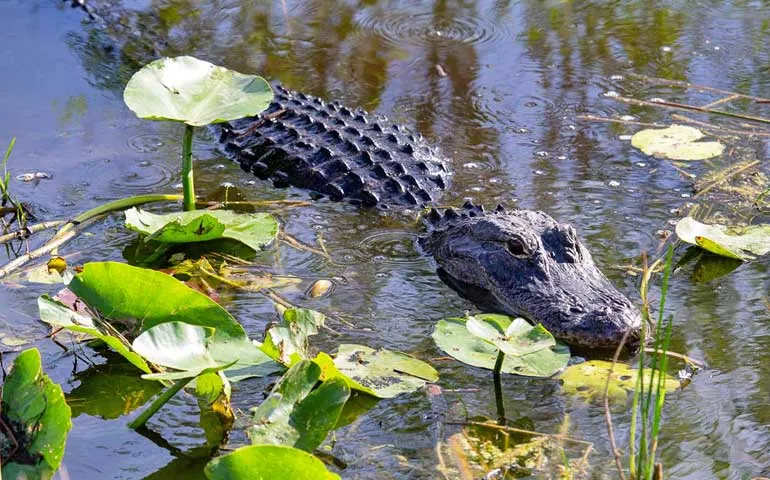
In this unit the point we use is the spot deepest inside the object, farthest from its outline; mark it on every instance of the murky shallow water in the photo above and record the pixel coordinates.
(500, 86)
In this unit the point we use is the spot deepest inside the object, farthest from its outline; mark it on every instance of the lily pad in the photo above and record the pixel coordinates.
(145, 298)
(529, 351)
(741, 243)
(34, 409)
(256, 230)
(588, 380)
(287, 341)
(192, 349)
(296, 414)
(384, 374)
(263, 462)
(677, 142)
(195, 92)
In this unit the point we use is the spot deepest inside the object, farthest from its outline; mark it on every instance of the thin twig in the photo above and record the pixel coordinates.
(683, 106)
(683, 84)
(505, 428)
(25, 232)
(727, 176)
(680, 356)
(293, 242)
(57, 241)
(594, 118)
(729, 98)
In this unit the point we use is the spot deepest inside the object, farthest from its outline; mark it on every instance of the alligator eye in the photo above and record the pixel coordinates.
(517, 248)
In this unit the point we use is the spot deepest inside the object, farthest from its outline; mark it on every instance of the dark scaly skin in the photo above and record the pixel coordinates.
(516, 262)
(523, 262)
(345, 154)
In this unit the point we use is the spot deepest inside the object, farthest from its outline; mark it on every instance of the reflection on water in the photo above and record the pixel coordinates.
(501, 86)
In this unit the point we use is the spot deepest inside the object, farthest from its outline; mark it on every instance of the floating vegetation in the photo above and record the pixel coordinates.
(268, 461)
(256, 230)
(740, 243)
(501, 343)
(35, 421)
(197, 93)
(677, 142)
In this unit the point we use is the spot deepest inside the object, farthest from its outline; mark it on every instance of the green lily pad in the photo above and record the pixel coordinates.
(677, 142)
(57, 314)
(34, 409)
(529, 351)
(286, 342)
(145, 298)
(268, 462)
(185, 89)
(741, 243)
(383, 373)
(295, 413)
(256, 230)
(192, 349)
(588, 380)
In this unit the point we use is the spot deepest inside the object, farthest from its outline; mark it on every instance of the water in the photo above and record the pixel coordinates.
(501, 86)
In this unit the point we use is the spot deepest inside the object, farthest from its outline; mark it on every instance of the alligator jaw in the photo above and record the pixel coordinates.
(522, 262)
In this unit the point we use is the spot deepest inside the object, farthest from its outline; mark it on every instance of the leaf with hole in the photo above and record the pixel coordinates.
(382, 373)
(256, 230)
(588, 380)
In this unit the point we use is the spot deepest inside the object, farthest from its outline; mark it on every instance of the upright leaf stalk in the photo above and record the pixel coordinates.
(188, 185)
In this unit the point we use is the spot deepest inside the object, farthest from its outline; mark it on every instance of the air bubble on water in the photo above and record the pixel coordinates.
(613, 183)
(471, 165)
(227, 185)
(521, 130)
(542, 154)
(628, 118)
(616, 78)
(657, 100)
(665, 48)
(561, 157)
(539, 172)
(641, 164)
(178, 186)
(686, 195)
(219, 166)
(624, 137)
(611, 94)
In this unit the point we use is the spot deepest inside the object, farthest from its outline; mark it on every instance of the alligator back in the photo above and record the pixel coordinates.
(345, 154)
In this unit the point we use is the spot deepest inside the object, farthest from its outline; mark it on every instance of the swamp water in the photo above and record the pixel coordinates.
(510, 91)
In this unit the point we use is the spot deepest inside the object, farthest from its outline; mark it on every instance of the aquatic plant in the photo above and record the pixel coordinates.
(196, 93)
(34, 423)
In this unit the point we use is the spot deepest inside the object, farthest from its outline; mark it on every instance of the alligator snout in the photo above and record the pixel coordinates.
(522, 262)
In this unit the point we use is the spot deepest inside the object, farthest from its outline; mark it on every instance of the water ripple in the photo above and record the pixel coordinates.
(424, 29)
(392, 247)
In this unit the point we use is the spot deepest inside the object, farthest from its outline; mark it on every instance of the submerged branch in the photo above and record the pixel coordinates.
(25, 232)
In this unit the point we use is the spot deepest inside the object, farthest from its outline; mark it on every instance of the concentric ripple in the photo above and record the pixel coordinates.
(131, 176)
(145, 143)
(391, 247)
(398, 28)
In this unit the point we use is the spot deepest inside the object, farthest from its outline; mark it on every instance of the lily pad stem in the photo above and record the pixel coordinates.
(188, 185)
(498, 363)
(139, 421)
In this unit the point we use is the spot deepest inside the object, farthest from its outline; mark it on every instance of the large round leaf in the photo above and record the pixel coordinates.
(253, 229)
(268, 462)
(529, 351)
(589, 379)
(383, 373)
(677, 142)
(195, 92)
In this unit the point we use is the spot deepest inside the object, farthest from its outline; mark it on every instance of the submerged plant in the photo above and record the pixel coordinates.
(196, 93)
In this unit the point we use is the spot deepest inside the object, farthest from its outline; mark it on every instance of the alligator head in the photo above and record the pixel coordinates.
(522, 262)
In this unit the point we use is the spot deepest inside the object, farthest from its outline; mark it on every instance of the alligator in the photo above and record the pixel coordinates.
(511, 261)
